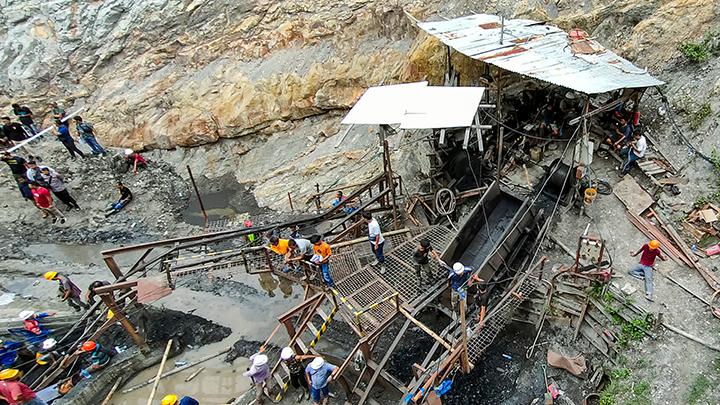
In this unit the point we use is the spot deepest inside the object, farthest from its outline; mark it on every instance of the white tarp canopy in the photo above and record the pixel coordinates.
(417, 106)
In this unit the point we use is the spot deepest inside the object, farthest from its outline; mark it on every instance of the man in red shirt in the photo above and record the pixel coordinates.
(644, 269)
(15, 392)
(44, 201)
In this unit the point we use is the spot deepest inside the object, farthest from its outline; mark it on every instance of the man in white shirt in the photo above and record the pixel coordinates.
(634, 152)
(377, 242)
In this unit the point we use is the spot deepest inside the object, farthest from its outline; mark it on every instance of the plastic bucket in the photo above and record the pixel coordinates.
(590, 194)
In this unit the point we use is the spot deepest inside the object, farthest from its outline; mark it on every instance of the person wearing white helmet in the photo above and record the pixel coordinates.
(294, 364)
(47, 355)
(258, 372)
(319, 374)
(459, 279)
(32, 322)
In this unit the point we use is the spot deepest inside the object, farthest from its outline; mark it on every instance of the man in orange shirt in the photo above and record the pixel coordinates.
(279, 246)
(322, 258)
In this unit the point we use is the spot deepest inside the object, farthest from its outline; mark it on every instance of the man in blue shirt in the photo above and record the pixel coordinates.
(460, 279)
(319, 373)
(63, 135)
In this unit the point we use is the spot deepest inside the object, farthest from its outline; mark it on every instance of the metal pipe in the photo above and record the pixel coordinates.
(197, 193)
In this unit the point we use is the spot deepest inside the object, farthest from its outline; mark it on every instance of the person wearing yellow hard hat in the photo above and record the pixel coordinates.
(47, 354)
(643, 271)
(16, 392)
(172, 399)
(67, 290)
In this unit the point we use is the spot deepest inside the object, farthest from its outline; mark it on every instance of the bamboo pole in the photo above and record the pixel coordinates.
(159, 374)
(464, 355)
(691, 337)
(112, 391)
(176, 370)
(193, 375)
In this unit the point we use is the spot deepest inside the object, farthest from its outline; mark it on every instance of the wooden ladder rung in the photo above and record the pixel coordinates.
(322, 314)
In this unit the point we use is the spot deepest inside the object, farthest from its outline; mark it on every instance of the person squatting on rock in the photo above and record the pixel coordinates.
(643, 270)
(86, 132)
(259, 372)
(377, 241)
(67, 290)
(134, 160)
(52, 180)
(125, 198)
(63, 135)
(44, 201)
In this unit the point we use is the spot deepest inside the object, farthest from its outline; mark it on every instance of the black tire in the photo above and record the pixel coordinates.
(603, 187)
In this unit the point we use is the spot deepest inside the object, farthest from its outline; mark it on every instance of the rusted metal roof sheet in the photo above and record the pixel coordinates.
(540, 51)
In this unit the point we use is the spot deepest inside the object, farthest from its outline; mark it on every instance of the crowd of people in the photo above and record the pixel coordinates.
(42, 185)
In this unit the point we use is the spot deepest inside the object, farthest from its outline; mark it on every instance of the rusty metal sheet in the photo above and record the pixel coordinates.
(540, 51)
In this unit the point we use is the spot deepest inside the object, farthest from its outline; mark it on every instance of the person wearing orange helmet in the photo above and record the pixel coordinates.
(173, 399)
(643, 271)
(99, 358)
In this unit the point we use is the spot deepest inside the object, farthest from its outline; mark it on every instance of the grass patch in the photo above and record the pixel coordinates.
(623, 390)
(698, 389)
(701, 50)
(700, 115)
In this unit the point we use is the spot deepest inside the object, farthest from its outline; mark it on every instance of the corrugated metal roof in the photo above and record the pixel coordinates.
(540, 51)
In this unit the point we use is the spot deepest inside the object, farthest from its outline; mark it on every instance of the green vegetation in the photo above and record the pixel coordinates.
(714, 197)
(698, 389)
(698, 116)
(716, 366)
(630, 331)
(701, 50)
(623, 389)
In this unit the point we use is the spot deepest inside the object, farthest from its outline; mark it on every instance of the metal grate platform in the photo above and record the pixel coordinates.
(479, 341)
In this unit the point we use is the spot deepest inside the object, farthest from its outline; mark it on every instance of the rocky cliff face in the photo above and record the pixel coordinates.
(270, 76)
(166, 73)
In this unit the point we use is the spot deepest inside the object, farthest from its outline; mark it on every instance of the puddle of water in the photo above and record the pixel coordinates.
(81, 254)
(253, 319)
(217, 205)
(216, 384)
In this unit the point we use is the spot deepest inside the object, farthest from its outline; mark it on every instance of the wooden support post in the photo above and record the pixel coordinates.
(464, 358)
(139, 341)
(389, 177)
(113, 266)
(424, 328)
(501, 128)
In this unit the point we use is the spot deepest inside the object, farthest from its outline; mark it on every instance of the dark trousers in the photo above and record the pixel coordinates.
(73, 149)
(77, 304)
(298, 380)
(66, 198)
